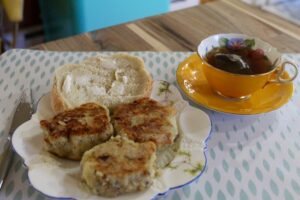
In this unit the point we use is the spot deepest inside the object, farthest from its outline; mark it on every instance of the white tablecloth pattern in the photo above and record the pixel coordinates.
(249, 157)
(287, 9)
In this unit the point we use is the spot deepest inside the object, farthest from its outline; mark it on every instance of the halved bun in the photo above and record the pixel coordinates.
(108, 80)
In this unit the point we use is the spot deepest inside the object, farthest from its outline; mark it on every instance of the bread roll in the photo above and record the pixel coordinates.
(107, 80)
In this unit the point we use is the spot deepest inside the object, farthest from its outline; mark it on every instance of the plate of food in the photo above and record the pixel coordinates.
(106, 129)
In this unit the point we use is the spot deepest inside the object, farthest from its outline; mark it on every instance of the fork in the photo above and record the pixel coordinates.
(22, 113)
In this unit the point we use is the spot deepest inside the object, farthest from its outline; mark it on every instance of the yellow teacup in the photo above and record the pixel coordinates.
(241, 86)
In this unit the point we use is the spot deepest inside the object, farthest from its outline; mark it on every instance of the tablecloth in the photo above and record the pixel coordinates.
(248, 157)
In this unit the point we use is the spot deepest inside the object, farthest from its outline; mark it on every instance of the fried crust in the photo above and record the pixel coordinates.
(119, 166)
(70, 133)
(120, 158)
(87, 119)
(145, 120)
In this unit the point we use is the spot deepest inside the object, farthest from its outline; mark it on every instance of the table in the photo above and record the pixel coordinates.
(250, 157)
(183, 30)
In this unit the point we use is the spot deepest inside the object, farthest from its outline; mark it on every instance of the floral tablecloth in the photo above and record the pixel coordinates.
(249, 157)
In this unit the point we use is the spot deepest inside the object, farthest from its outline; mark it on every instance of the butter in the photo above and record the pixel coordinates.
(82, 80)
(109, 63)
(97, 90)
(117, 88)
(67, 83)
(125, 79)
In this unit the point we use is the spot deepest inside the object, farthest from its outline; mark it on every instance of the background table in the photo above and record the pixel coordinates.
(250, 157)
(183, 30)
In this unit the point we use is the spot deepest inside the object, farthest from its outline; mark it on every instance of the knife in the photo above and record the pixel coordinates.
(22, 114)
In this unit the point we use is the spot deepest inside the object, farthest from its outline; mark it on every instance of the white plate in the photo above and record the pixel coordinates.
(60, 178)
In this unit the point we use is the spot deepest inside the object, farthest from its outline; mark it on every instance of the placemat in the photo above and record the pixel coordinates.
(249, 157)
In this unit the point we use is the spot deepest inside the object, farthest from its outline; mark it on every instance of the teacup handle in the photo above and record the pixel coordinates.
(280, 72)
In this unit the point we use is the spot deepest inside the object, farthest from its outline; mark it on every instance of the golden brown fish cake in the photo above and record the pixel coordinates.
(148, 120)
(70, 133)
(119, 166)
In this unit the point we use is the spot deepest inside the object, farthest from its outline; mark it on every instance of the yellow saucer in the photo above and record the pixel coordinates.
(192, 81)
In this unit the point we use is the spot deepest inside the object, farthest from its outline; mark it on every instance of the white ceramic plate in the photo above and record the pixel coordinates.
(60, 178)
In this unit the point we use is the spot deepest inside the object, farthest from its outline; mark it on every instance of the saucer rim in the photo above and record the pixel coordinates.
(225, 111)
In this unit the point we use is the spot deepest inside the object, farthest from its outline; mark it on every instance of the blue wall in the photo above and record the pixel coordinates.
(95, 14)
(62, 18)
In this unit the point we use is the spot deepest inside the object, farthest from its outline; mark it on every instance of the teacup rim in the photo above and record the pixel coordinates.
(235, 74)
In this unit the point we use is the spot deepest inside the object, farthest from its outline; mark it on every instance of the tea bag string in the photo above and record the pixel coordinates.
(234, 58)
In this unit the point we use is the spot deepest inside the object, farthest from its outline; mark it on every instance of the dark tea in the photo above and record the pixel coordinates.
(239, 60)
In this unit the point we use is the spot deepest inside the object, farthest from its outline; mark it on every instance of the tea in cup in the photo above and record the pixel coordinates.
(237, 65)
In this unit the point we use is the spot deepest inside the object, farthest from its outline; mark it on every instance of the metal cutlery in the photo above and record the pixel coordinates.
(22, 114)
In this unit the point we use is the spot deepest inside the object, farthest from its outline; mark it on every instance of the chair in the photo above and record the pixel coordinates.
(14, 12)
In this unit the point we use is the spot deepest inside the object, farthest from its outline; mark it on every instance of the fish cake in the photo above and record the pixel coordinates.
(119, 166)
(70, 133)
(148, 120)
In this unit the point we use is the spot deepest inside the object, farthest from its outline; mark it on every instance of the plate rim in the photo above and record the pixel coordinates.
(157, 195)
